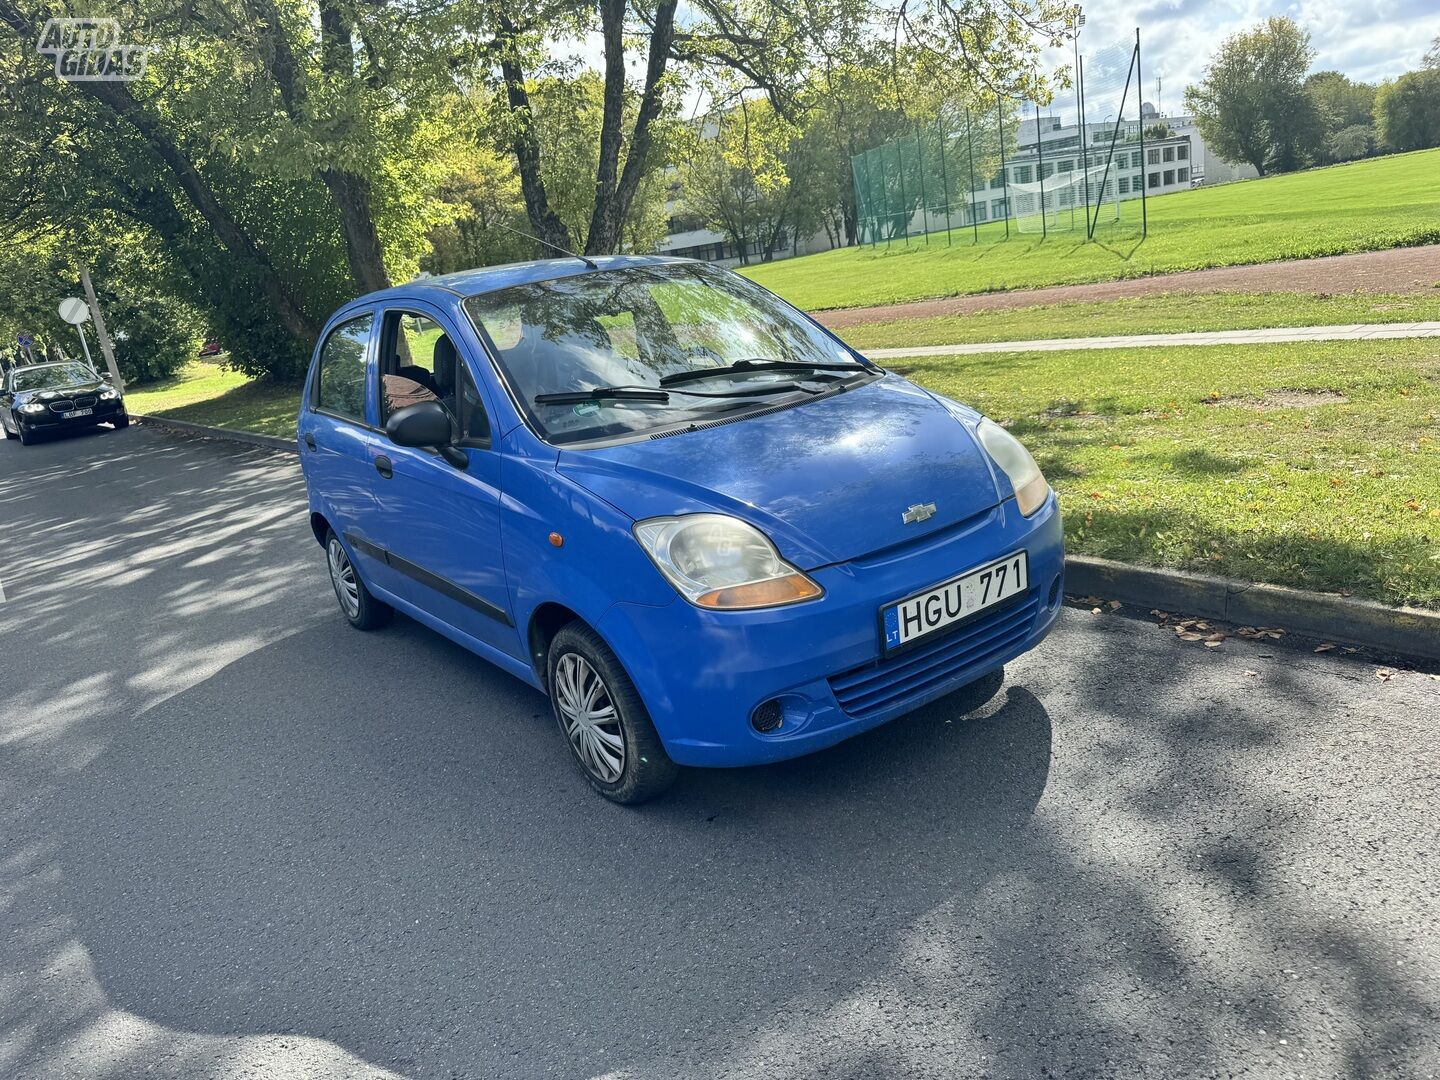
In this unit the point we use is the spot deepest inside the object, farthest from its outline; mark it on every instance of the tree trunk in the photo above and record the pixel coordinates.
(607, 219)
(549, 229)
(351, 193)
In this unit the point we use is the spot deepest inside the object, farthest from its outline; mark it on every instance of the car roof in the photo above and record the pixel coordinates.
(486, 279)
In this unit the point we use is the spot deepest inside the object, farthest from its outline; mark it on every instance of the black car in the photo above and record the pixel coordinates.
(56, 397)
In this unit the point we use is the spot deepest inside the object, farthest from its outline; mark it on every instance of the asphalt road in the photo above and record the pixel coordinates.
(241, 839)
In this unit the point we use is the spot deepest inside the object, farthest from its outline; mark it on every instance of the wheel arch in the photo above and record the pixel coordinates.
(545, 622)
(319, 526)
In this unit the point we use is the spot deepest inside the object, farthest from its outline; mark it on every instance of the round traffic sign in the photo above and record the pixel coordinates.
(74, 310)
(24, 340)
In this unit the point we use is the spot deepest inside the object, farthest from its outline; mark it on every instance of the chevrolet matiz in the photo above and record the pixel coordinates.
(709, 530)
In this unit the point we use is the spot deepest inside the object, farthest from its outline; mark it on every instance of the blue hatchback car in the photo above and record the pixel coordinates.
(709, 530)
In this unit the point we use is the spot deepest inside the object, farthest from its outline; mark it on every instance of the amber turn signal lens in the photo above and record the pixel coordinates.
(556, 540)
(781, 590)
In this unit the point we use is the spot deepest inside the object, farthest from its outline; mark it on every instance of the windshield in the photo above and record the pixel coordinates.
(44, 378)
(636, 326)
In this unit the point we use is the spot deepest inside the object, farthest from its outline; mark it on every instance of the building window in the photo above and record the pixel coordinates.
(1154, 155)
(1124, 185)
(997, 208)
(1169, 153)
(1065, 166)
(1169, 177)
(1047, 170)
(1153, 180)
(1182, 175)
(1182, 152)
(1022, 174)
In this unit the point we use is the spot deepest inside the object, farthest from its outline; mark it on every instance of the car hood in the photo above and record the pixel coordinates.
(59, 393)
(828, 480)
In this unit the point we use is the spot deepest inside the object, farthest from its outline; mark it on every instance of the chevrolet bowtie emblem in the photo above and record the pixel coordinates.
(918, 513)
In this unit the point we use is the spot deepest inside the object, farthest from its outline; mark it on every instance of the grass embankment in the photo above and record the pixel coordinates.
(1166, 314)
(206, 393)
(1315, 465)
(1362, 206)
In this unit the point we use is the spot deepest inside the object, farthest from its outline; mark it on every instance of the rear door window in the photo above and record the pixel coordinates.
(340, 386)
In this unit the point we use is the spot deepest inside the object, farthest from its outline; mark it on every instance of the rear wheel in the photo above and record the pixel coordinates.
(360, 609)
(8, 433)
(603, 719)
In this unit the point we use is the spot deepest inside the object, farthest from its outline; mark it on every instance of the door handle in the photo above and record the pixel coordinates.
(384, 467)
(310, 440)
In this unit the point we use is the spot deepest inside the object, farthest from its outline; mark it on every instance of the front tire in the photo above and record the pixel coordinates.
(603, 719)
(121, 421)
(26, 437)
(361, 610)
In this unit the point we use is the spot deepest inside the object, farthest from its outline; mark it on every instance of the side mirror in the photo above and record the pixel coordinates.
(106, 376)
(426, 425)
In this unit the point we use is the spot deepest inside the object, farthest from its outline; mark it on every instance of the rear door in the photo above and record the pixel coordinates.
(337, 435)
(439, 524)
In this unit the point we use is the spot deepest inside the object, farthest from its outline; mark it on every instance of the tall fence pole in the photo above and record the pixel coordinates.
(924, 202)
(1004, 173)
(1084, 143)
(944, 180)
(885, 190)
(904, 199)
(970, 149)
(1140, 101)
(1110, 154)
(1040, 173)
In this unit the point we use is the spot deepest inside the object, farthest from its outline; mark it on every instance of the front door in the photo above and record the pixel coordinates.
(440, 524)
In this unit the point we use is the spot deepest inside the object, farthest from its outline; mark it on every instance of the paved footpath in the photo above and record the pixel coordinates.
(240, 840)
(1396, 270)
(1349, 332)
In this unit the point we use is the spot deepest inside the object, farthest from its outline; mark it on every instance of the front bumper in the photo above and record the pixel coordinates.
(703, 673)
(103, 413)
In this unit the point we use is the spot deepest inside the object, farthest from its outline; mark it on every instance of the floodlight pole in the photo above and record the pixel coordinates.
(1140, 96)
(970, 149)
(1040, 173)
(1004, 174)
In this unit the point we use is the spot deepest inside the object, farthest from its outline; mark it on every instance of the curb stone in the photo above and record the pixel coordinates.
(251, 438)
(1342, 619)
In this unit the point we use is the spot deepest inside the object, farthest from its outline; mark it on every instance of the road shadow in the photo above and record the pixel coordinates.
(402, 825)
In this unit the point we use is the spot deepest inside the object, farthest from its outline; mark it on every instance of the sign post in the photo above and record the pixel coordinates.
(75, 311)
(100, 332)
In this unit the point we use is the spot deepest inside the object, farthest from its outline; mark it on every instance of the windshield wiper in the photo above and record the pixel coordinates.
(603, 393)
(744, 366)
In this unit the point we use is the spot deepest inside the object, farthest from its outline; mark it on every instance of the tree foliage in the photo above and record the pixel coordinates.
(1251, 105)
(1407, 110)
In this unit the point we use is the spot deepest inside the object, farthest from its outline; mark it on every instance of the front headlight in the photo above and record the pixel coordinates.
(32, 407)
(717, 561)
(1016, 463)
(109, 394)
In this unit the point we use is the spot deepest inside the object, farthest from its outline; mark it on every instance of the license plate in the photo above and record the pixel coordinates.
(954, 600)
(76, 412)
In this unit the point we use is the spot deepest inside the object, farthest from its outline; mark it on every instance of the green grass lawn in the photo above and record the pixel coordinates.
(1224, 458)
(1362, 206)
(1170, 313)
(206, 393)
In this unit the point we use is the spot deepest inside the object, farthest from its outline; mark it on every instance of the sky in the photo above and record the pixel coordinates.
(1368, 40)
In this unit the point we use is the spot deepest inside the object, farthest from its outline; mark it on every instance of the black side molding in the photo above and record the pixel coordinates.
(444, 586)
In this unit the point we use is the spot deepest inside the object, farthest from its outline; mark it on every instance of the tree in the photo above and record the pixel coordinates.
(1251, 104)
(767, 45)
(1407, 111)
(1346, 109)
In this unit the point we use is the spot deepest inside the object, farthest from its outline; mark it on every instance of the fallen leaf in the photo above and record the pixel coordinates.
(1326, 647)
(1385, 674)
(1214, 644)
(1250, 673)
(1114, 605)
(1094, 611)
(1159, 614)
(1189, 635)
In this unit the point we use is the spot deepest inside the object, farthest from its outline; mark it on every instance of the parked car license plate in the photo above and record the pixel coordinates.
(76, 412)
(951, 601)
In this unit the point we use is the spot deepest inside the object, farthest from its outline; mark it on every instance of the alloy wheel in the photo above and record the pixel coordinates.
(342, 576)
(590, 719)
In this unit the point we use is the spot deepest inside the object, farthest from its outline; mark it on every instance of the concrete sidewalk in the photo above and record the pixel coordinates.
(1350, 332)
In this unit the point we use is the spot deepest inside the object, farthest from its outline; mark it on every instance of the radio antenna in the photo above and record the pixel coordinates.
(591, 263)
